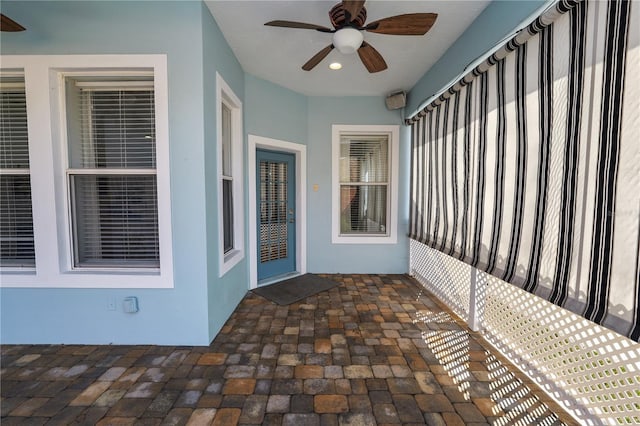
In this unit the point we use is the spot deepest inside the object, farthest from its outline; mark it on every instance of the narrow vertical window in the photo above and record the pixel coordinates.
(230, 190)
(112, 172)
(16, 221)
(227, 179)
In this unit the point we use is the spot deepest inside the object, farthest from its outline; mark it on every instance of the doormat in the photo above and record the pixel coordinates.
(295, 289)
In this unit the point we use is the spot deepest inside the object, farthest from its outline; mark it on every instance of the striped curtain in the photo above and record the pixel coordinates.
(529, 167)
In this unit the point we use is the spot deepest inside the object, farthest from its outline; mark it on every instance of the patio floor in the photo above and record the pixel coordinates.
(375, 350)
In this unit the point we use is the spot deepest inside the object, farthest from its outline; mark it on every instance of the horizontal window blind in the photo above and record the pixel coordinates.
(226, 141)
(364, 177)
(227, 203)
(364, 160)
(16, 221)
(14, 143)
(112, 160)
(227, 180)
(116, 128)
(116, 220)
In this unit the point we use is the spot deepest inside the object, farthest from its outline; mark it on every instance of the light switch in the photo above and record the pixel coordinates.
(315, 187)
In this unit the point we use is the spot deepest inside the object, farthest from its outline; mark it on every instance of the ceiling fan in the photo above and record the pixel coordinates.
(348, 20)
(8, 24)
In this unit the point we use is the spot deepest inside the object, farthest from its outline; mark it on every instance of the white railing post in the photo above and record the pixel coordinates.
(474, 301)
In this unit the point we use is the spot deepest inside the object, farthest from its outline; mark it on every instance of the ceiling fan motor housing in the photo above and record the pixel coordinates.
(338, 18)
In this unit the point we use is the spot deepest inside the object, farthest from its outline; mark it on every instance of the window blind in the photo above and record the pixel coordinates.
(14, 146)
(16, 222)
(227, 181)
(112, 158)
(364, 176)
(116, 220)
(364, 160)
(226, 141)
(227, 214)
(116, 128)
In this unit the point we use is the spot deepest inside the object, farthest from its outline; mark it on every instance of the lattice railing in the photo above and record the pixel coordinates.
(591, 371)
(452, 277)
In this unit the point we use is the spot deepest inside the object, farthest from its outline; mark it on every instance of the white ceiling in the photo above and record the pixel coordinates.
(277, 54)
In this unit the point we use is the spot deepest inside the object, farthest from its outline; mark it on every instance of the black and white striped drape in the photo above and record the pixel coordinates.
(529, 167)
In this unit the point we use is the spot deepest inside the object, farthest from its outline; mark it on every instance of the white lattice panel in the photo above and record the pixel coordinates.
(591, 371)
(443, 275)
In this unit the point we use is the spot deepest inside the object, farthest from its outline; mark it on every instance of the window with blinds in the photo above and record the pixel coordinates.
(16, 221)
(230, 206)
(112, 172)
(227, 180)
(364, 184)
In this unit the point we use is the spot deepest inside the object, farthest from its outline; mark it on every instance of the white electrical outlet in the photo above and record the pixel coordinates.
(130, 305)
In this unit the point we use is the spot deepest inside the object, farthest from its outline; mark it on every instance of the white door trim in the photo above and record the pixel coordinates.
(300, 152)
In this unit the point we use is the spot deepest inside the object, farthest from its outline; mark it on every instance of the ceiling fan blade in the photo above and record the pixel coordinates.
(8, 24)
(317, 58)
(409, 24)
(301, 25)
(352, 8)
(371, 58)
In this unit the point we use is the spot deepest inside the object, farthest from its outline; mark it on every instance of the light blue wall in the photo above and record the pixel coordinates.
(271, 111)
(323, 256)
(223, 294)
(195, 310)
(171, 316)
(497, 20)
(275, 112)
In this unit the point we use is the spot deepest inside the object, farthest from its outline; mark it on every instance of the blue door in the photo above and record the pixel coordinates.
(276, 203)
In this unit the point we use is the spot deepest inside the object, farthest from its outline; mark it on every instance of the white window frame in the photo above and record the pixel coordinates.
(89, 171)
(44, 83)
(393, 132)
(225, 95)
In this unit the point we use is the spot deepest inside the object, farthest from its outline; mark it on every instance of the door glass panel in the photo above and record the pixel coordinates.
(273, 211)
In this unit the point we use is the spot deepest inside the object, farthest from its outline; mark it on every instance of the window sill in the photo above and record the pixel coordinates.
(364, 239)
(229, 260)
(86, 279)
(7, 270)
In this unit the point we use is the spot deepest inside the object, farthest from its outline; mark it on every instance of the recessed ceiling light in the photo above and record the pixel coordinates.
(335, 65)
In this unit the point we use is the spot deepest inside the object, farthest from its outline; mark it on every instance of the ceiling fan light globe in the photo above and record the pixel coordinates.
(347, 40)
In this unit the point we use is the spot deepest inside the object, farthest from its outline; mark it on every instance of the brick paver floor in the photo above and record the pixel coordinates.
(375, 350)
